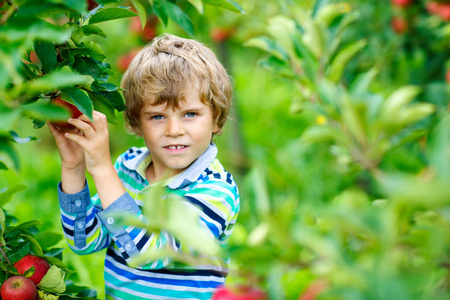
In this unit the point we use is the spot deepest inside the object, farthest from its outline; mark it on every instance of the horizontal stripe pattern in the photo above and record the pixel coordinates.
(214, 194)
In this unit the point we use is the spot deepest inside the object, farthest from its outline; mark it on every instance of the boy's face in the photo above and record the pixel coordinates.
(176, 137)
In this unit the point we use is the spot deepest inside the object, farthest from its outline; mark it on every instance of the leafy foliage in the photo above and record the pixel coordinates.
(20, 239)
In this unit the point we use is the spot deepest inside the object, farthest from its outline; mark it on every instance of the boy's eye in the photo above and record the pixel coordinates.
(157, 117)
(190, 114)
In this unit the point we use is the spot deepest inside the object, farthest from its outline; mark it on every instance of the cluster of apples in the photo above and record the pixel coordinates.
(20, 287)
(400, 24)
(440, 9)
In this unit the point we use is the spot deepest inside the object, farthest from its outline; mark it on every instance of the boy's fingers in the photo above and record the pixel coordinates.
(77, 138)
(81, 124)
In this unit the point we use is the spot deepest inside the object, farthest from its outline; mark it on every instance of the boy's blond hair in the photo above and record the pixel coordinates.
(164, 72)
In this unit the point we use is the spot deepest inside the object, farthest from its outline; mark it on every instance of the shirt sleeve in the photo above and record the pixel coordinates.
(82, 228)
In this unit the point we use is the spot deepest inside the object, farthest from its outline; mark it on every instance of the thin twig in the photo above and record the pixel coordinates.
(4, 254)
(13, 8)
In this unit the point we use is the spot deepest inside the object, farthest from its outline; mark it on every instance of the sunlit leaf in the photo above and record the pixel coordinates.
(113, 13)
(53, 280)
(142, 13)
(227, 4)
(175, 13)
(80, 99)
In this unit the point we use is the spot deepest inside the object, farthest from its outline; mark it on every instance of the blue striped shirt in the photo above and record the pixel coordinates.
(88, 228)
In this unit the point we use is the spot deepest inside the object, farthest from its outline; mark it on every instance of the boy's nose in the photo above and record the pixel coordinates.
(174, 128)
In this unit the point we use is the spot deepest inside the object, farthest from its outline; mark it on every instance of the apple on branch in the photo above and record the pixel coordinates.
(401, 3)
(399, 25)
(72, 109)
(41, 266)
(18, 288)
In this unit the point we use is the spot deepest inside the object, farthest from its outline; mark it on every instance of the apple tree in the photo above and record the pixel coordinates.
(357, 206)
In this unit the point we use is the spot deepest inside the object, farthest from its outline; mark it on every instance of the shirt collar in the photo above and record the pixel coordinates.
(191, 174)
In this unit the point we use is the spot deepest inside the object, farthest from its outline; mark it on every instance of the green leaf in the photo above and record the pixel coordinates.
(2, 222)
(93, 29)
(77, 5)
(7, 192)
(438, 152)
(183, 223)
(7, 117)
(175, 13)
(107, 14)
(115, 98)
(161, 13)
(58, 79)
(3, 166)
(198, 4)
(269, 46)
(226, 4)
(48, 239)
(35, 247)
(103, 105)
(94, 50)
(319, 134)
(26, 27)
(336, 68)
(362, 83)
(19, 252)
(43, 295)
(142, 13)
(87, 66)
(24, 226)
(20, 140)
(53, 281)
(46, 52)
(80, 99)
(7, 149)
(44, 111)
(77, 33)
(399, 98)
(28, 273)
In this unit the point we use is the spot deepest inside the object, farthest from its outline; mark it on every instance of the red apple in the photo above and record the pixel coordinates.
(124, 60)
(239, 293)
(447, 76)
(432, 7)
(72, 109)
(401, 3)
(148, 32)
(220, 34)
(18, 288)
(91, 4)
(40, 265)
(399, 25)
(444, 11)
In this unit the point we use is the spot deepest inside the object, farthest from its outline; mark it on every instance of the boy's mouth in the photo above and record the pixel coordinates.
(175, 147)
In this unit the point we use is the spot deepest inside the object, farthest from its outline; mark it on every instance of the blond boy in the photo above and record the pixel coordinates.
(177, 98)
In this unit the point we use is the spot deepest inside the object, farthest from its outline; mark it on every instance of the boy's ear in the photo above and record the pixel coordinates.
(216, 129)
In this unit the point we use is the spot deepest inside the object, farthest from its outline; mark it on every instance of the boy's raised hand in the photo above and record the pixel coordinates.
(93, 138)
(72, 155)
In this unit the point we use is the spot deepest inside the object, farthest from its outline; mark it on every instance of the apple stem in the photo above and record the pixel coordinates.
(4, 254)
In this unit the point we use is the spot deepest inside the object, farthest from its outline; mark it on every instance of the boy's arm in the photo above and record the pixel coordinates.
(94, 141)
(72, 161)
(82, 227)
